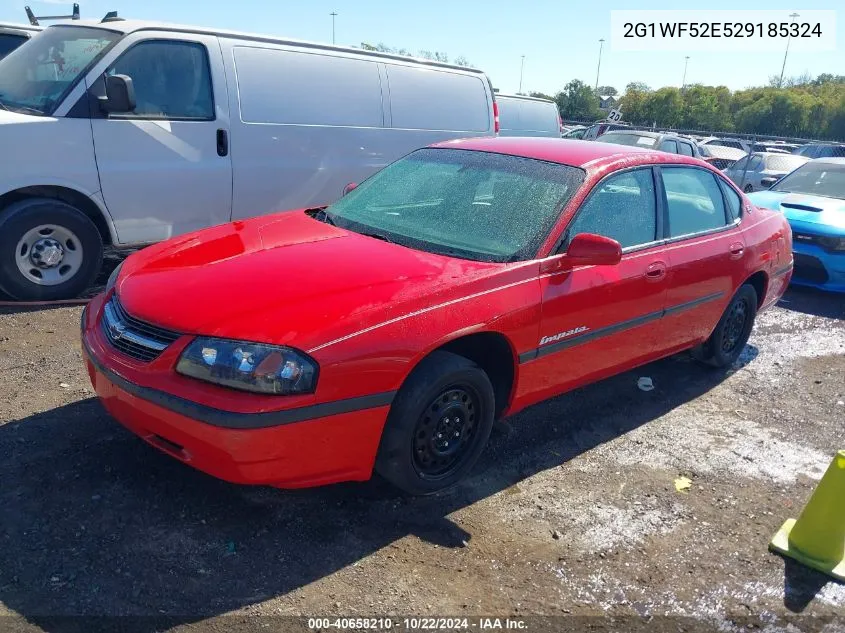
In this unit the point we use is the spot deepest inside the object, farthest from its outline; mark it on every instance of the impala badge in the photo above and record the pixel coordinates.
(562, 335)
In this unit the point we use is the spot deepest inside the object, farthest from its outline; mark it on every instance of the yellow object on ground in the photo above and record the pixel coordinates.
(817, 538)
(682, 484)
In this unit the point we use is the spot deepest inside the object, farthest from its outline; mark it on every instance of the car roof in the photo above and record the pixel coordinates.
(125, 26)
(834, 160)
(575, 153)
(500, 95)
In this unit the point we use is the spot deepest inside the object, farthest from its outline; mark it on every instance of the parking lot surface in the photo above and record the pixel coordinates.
(573, 510)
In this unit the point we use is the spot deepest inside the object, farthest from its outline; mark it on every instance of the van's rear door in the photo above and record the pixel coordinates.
(165, 168)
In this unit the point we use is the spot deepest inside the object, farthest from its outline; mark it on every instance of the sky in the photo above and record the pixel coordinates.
(559, 38)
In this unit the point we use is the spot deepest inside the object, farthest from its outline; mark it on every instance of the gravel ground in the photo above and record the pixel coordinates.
(572, 512)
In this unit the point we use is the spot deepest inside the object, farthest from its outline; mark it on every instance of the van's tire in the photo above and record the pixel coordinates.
(49, 250)
(728, 340)
(438, 425)
(748, 188)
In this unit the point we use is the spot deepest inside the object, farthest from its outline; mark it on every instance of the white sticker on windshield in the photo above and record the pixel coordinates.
(645, 140)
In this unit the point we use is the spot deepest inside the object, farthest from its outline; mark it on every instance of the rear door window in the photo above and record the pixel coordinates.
(429, 99)
(733, 200)
(694, 201)
(685, 148)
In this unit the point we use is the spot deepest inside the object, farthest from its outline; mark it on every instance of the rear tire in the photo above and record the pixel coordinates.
(438, 425)
(748, 189)
(728, 340)
(49, 250)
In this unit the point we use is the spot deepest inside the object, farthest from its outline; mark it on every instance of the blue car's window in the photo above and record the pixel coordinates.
(816, 178)
(470, 204)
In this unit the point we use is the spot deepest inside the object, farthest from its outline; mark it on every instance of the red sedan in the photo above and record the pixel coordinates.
(456, 286)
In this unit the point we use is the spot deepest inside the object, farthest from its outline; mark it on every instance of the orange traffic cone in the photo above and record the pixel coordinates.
(817, 538)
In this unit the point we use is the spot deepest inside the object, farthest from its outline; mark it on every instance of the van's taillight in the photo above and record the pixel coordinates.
(495, 116)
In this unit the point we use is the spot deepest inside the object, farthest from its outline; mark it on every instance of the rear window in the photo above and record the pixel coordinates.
(524, 115)
(428, 99)
(787, 162)
(618, 138)
(290, 87)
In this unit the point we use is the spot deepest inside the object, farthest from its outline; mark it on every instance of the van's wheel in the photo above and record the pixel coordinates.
(48, 250)
(728, 340)
(438, 425)
(748, 188)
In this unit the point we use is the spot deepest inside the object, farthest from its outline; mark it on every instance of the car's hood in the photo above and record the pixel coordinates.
(816, 213)
(288, 279)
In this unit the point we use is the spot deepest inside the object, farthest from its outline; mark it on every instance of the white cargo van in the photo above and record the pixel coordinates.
(13, 35)
(127, 133)
(528, 116)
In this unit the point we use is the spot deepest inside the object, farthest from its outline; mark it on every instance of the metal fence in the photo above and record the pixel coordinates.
(722, 133)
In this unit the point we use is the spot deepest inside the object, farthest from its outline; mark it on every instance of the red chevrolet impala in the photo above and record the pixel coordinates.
(460, 284)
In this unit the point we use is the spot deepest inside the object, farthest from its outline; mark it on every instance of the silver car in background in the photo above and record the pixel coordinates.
(761, 170)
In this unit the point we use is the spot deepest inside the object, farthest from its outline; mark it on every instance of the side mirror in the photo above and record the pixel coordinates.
(349, 187)
(768, 181)
(120, 94)
(588, 249)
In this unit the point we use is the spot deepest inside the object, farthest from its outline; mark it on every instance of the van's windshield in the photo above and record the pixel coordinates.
(35, 78)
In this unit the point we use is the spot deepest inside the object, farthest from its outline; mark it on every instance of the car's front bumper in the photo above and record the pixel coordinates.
(300, 451)
(818, 268)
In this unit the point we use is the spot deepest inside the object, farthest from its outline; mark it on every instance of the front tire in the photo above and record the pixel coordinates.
(49, 250)
(728, 340)
(438, 425)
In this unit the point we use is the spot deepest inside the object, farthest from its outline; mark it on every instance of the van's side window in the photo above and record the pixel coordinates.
(172, 80)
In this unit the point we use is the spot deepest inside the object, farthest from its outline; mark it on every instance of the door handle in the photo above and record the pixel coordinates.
(655, 271)
(737, 250)
(222, 143)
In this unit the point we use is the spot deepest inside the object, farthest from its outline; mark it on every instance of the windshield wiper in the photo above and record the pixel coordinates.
(322, 215)
(379, 236)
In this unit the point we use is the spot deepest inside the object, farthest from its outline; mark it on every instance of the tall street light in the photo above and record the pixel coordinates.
(788, 37)
(684, 80)
(598, 70)
(521, 71)
(334, 15)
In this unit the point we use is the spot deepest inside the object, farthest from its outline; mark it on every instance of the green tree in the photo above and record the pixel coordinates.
(540, 95)
(578, 101)
(607, 91)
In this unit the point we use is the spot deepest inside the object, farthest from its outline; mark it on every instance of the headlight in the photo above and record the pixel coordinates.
(113, 277)
(253, 367)
(832, 243)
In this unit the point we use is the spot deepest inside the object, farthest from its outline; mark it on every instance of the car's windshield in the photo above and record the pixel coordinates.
(36, 77)
(816, 178)
(618, 138)
(468, 204)
(784, 162)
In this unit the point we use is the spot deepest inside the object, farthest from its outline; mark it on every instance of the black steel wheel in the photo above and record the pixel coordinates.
(438, 424)
(731, 334)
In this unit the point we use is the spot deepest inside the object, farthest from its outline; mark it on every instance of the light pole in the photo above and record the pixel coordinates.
(521, 71)
(334, 15)
(788, 37)
(684, 80)
(598, 70)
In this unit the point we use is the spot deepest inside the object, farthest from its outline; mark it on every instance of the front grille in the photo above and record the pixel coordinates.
(142, 341)
(804, 238)
(810, 269)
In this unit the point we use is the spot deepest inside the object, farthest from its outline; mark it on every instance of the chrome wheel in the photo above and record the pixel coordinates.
(49, 255)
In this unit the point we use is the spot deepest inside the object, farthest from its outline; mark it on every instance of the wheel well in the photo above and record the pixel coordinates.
(69, 196)
(760, 283)
(492, 352)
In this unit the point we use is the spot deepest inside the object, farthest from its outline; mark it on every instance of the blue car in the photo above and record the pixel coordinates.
(813, 200)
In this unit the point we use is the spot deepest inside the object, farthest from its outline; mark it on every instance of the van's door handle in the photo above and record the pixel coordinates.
(222, 143)
(655, 271)
(737, 250)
